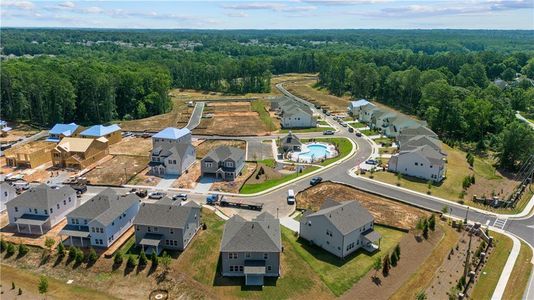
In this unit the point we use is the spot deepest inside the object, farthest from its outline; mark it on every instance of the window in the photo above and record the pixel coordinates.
(51, 210)
(175, 243)
(269, 268)
(93, 229)
(137, 227)
(229, 164)
(70, 199)
(155, 229)
(241, 268)
(171, 231)
(149, 229)
(247, 255)
(232, 255)
(416, 163)
(112, 223)
(35, 210)
(208, 164)
(64, 202)
(328, 232)
(45, 211)
(265, 255)
(16, 209)
(84, 222)
(57, 206)
(167, 242)
(231, 268)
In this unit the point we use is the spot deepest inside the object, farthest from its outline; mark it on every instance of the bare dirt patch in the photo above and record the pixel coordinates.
(207, 145)
(132, 146)
(177, 117)
(189, 179)
(235, 186)
(145, 178)
(18, 132)
(385, 211)
(117, 171)
(9, 233)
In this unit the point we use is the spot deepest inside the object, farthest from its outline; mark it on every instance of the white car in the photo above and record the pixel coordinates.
(156, 195)
(181, 196)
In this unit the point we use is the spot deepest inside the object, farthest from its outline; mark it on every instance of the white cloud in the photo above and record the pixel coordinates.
(24, 5)
(93, 10)
(344, 2)
(238, 14)
(67, 4)
(274, 6)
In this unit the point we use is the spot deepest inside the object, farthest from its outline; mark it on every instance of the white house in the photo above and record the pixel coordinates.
(101, 220)
(422, 162)
(355, 106)
(366, 112)
(394, 126)
(41, 206)
(293, 114)
(340, 228)
(7, 192)
(172, 152)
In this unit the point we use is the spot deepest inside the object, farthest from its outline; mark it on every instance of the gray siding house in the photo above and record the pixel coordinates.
(340, 228)
(166, 225)
(293, 114)
(422, 162)
(251, 249)
(172, 152)
(223, 162)
(101, 220)
(7, 192)
(41, 206)
(290, 142)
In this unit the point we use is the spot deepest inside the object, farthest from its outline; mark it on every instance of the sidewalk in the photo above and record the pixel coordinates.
(508, 267)
(290, 224)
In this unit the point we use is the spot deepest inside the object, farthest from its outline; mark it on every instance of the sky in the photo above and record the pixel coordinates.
(291, 14)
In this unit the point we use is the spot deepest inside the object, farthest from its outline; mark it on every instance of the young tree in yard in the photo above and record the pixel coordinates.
(79, 256)
(429, 187)
(154, 259)
(91, 259)
(421, 295)
(377, 264)
(72, 252)
(60, 250)
(397, 250)
(131, 263)
(142, 258)
(425, 229)
(10, 249)
(394, 259)
(444, 209)
(12, 285)
(165, 261)
(386, 266)
(49, 243)
(43, 285)
(23, 249)
(118, 258)
(432, 222)
(20, 291)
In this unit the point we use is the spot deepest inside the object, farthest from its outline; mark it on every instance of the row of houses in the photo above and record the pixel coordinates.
(292, 113)
(67, 146)
(249, 248)
(420, 152)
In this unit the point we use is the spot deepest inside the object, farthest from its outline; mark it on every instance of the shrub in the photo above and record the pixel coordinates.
(10, 249)
(79, 256)
(72, 252)
(92, 257)
(425, 230)
(432, 222)
(12, 285)
(60, 250)
(118, 258)
(3, 245)
(20, 291)
(23, 249)
(394, 259)
(49, 243)
(386, 266)
(142, 258)
(131, 263)
(154, 259)
(398, 251)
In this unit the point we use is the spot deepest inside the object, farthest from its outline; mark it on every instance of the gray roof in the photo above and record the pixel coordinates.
(105, 207)
(262, 234)
(290, 139)
(4, 186)
(368, 107)
(422, 140)
(166, 149)
(346, 216)
(428, 152)
(42, 196)
(222, 153)
(290, 106)
(165, 215)
(417, 130)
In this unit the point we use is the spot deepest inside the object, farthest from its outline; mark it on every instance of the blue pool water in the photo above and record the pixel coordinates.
(315, 152)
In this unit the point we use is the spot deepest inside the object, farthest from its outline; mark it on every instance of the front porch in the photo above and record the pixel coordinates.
(370, 239)
(26, 221)
(151, 242)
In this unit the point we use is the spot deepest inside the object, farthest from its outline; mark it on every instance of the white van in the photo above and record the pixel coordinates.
(21, 185)
(290, 197)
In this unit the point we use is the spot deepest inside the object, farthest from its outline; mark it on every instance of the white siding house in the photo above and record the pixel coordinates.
(422, 162)
(7, 192)
(172, 152)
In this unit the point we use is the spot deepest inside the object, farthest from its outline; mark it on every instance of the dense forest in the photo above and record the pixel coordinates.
(443, 76)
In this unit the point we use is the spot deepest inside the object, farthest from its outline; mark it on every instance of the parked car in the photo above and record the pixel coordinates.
(290, 197)
(351, 129)
(324, 110)
(156, 195)
(318, 106)
(316, 180)
(344, 124)
(358, 134)
(20, 185)
(140, 193)
(181, 196)
(328, 132)
(371, 162)
(14, 177)
(328, 113)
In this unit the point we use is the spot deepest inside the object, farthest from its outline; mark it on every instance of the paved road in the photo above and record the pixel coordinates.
(520, 117)
(196, 116)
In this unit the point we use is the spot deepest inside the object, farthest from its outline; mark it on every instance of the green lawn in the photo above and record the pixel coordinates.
(201, 262)
(304, 130)
(323, 123)
(269, 162)
(344, 146)
(341, 275)
(487, 282)
(370, 132)
(259, 107)
(383, 140)
(522, 269)
(251, 188)
(358, 125)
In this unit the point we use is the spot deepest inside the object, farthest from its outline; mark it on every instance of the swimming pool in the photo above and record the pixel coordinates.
(314, 152)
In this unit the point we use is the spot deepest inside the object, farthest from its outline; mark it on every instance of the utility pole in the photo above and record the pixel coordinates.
(466, 214)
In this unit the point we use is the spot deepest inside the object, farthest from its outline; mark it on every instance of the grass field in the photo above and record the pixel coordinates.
(491, 272)
(369, 132)
(340, 275)
(201, 262)
(251, 188)
(323, 123)
(259, 107)
(522, 270)
(358, 125)
(425, 273)
(487, 180)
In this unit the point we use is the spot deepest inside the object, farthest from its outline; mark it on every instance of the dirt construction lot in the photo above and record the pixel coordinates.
(385, 211)
(231, 118)
(207, 145)
(132, 146)
(119, 170)
(305, 90)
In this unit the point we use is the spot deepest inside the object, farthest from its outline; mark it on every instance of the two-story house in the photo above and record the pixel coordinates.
(60, 131)
(355, 106)
(41, 206)
(78, 153)
(293, 114)
(394, 126)
(172, 152)
(112, 133)
(422, 162)
(30, 155)
(340, 228)
(7, 192)
(166, 225)
(101, 220)
(366, 112)
(223, 162)
(251, 248)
